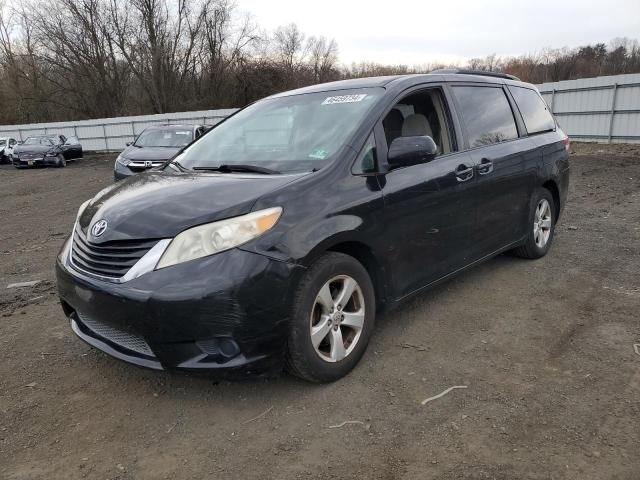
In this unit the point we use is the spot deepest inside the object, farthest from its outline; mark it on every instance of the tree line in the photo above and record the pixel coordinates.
(78, 59)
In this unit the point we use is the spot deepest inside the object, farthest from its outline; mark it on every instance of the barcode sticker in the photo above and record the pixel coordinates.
(344, 99)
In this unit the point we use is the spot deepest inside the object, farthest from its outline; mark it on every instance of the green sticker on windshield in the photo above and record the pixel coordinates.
(319, 154)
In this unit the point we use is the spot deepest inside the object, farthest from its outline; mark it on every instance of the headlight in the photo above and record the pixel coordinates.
(51, 154)
(216, 237)
(122, 160)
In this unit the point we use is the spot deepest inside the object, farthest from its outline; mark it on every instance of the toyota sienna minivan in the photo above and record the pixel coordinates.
(274, 239)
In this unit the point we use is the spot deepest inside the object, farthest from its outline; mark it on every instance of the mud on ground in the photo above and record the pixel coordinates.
(545, 348)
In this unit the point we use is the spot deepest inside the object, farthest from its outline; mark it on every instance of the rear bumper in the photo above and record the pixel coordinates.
(226, 313)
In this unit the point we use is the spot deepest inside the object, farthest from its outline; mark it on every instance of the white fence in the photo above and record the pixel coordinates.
(112, 134)
(600, 109)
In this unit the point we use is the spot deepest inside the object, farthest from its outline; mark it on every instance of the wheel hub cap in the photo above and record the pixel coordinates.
(542, 223)
(337, 318)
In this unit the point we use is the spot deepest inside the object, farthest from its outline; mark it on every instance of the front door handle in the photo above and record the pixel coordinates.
(485, 167)
(463, 173)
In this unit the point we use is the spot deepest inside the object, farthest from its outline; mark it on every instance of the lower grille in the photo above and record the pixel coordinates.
(109, 259)
(124, 339)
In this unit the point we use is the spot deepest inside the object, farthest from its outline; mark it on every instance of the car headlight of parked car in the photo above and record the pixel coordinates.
(123, 160)
(51, 153)
(216, 237)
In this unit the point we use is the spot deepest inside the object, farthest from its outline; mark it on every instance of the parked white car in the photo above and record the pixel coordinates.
(7, 144)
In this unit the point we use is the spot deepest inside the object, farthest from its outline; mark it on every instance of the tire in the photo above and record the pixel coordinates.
(539, 240)
(60, 161)
(310, 312)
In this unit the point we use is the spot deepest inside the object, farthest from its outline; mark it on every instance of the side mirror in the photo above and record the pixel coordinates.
(406, 151)
(128, 144)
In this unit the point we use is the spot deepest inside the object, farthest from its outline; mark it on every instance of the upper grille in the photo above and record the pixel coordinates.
(110, 259)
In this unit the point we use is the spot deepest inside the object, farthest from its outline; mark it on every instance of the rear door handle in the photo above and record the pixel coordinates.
(485, 166)
(463, 173)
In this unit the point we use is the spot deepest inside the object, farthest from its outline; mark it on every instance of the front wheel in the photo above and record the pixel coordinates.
(542, 223)
(60, 161)
(332, 319)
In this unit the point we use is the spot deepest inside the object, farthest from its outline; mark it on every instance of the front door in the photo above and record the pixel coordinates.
(429, 211)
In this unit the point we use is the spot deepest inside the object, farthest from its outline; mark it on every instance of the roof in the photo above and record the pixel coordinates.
(405, 81)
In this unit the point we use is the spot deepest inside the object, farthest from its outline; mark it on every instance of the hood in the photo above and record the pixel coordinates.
(158, 205)
(39, 149)
(150, 153)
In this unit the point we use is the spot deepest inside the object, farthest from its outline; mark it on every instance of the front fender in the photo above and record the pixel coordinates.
(306, 240)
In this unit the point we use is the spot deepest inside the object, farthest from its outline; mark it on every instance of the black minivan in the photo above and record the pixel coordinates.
(275, 238)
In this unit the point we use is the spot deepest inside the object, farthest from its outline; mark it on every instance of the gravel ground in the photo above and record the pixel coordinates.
(545, 349)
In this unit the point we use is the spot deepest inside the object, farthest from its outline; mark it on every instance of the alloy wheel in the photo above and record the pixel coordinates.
(542, 223)
(337, 318)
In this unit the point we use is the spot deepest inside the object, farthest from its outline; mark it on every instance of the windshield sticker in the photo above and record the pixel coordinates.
(318, 154)
(344, 99)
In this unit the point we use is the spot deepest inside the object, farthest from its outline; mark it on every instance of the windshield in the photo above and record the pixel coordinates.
(174, 137)
(294, 133)
(39, 141)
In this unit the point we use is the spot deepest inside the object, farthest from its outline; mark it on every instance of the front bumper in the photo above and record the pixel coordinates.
(226, 313)
(34, 162)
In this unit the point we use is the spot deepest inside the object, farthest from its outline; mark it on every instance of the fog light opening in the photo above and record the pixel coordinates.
(223, 347)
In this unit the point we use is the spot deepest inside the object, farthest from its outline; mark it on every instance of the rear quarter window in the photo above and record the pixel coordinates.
(534, 111)
(486, 114)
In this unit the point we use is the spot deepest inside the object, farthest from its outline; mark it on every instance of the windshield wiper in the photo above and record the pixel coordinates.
(179, 165)
(229, 168)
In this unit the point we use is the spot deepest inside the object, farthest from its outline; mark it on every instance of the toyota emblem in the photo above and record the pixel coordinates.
(99, 228)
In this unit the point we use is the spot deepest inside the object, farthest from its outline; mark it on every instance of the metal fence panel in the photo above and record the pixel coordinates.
(112, 134)
(601, 109)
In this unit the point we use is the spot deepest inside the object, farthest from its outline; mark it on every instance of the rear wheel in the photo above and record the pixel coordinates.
(542, 223)
(332, 319)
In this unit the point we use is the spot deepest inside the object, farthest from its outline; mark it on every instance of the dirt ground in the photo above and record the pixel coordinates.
(545, 349)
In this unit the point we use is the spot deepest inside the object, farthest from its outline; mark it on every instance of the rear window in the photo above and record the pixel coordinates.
(486, 114)
(534, 111)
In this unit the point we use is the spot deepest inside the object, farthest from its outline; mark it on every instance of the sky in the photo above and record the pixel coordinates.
(418, 32)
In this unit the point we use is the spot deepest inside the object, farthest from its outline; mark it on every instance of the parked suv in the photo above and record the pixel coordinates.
(275, 238)
(153, 147)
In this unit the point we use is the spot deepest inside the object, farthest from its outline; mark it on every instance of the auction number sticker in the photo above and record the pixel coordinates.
(344, 99)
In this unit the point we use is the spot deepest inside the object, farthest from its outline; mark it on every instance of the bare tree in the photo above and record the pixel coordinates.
(93, 58)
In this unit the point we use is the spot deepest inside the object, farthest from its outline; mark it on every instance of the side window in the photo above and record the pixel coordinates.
(72, 140)
(534, 111)
(486, 114)
(421, 113)
(367, 161)
(12, 142)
